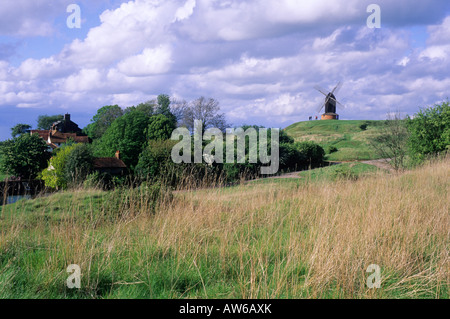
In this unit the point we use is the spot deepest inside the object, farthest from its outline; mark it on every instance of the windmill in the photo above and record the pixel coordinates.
(330, 102)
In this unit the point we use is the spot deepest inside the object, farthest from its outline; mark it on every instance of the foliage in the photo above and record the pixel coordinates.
(79, 164)
(55, 175)
(332, 149)
(19, 129)
(24, 156)
(102, 120)
(155, 160)
(127, 135)
(147, 108)
(430, 131)
(312, 154)
(364, 126)
(290, 157)
(392, 142)
(165, 109)
(160, 128)
(45, 122)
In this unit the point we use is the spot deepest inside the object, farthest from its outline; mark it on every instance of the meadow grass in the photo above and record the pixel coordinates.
(275, 239)
(351, 138)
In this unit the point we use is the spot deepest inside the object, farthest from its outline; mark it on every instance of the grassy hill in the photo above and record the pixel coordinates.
(351, 138)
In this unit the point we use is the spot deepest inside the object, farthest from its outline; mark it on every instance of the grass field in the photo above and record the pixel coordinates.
(350, 137)
(277, 239)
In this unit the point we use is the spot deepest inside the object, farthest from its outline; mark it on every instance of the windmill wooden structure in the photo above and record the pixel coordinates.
(330, 102)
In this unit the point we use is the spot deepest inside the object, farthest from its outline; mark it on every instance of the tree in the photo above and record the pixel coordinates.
(24, 156)
(430, 131)
(392, 142)
(164, 108)
(45, 122)
(19, 129)
(55, 175)
(127, 135)
(206, 111)
(79, 164)
(160, 128)
(155, 160)
(311, 154)
(102, 120)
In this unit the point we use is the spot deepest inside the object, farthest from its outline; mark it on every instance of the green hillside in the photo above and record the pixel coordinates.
(351, 138)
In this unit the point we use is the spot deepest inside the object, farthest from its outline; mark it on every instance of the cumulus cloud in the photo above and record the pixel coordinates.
(260, 58)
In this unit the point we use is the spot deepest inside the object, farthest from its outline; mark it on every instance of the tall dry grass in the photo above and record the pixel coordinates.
(259, 240)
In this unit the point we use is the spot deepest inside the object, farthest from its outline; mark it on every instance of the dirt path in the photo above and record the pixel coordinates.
(381, 163)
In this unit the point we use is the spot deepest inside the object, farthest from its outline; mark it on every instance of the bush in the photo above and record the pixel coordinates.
(311, 153)
(364, 126)
(332, 149)
(79, 164)
(155, 160)
(290, 157)
(54, 175)
(430, 131)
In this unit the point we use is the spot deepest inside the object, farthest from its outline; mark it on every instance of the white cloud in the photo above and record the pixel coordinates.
(149, 62)
(260, 58)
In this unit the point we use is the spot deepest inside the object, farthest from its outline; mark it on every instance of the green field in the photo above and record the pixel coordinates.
(351, 138)
(278, 239)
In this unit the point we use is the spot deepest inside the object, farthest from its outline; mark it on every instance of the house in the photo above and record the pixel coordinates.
(110, 165)
(62, 131)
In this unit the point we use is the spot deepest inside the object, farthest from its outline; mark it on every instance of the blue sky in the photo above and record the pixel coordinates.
(260, 58)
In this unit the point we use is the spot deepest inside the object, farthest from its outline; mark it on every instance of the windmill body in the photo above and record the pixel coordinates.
(330, 103)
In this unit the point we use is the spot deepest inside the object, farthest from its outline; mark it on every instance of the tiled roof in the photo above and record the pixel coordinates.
(108, 162)
(42, 133)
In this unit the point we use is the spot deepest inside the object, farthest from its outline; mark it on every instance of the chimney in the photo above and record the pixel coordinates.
(67, 117)
(118, 154)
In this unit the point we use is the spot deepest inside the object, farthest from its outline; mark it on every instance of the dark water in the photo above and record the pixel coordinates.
(14, 199)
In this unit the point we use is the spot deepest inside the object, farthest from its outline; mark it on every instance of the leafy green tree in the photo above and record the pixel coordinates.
(102, 120)
(79, 164)
(430, 131)
(19, 129)
(55, 175)
(160, 128)
(311, 154)
(127, 135)
(155, 160)
(45, 122)
(148, 108)
(24, 156)
(164, 108)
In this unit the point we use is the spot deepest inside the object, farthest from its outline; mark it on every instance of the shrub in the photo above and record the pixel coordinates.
(311, 153)
(54, 175)
(79, 164)
(155, 160)
(430, 131)
(332, 149)
(364, 126)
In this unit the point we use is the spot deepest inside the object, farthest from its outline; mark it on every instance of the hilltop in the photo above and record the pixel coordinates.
(351, 138)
